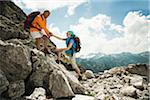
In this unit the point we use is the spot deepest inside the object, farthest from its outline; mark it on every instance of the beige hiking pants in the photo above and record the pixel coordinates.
(73, 61)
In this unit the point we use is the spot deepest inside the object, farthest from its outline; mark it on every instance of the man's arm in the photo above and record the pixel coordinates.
(58, 37)
(43, 26)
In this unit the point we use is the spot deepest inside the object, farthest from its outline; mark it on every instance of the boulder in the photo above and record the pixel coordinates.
(3, 82)
(129, 91)
(117, 70)
(137, 81)
(89, 74)
(73, 81)
(15, 89)
(59, 85)
(140, 69)
(15, 61)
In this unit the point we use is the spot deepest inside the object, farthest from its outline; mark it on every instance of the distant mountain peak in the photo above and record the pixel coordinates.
(100, 62)
(92, 55)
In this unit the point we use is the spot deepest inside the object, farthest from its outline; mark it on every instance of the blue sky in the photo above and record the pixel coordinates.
(110, 17)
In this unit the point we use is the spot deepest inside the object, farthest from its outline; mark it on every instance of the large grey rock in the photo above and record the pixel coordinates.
(73, 81)
(117, 70)
(89, 74)
(140, 69)
(3, 82)
(15, 61)
(129, 91)
(59, 85)
(137, 81)
(16, 89)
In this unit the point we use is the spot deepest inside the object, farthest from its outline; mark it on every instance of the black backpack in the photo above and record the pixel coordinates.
(29, 20)
(77, 42)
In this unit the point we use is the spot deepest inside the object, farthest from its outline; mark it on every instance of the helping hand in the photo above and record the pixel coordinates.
(50, 34)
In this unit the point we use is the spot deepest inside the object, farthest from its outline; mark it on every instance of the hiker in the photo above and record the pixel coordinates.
(39, 31)
(69, 50)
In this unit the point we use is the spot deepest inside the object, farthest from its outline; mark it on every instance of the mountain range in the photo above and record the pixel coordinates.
(99, 62)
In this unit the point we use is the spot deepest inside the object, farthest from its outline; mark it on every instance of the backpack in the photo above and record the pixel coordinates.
(77, 42)
(29, 20)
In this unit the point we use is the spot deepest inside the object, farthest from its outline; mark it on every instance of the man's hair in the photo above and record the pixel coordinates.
(47, 11)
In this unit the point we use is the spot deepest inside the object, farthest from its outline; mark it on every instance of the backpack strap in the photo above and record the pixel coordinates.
(72, 50)
(69, 41)
(37, 24)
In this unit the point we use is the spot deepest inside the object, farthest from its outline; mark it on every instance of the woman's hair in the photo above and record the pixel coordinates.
(71, 33)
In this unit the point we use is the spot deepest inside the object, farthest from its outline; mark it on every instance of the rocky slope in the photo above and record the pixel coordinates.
(120, 83)
(23, 68)
(27, 73)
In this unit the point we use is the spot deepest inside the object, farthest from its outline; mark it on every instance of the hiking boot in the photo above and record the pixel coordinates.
(80, 78)
(58, 61)
(46, 51)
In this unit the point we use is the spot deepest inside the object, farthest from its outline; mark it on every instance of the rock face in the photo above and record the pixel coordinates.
(11, 11)
(11, 21)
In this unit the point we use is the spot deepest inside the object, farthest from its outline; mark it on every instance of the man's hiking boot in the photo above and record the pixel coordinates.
(46, 51)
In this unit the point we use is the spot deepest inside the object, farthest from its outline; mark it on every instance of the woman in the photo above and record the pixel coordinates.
(69, 50)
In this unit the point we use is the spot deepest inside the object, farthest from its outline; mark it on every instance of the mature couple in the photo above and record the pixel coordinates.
(39, 25)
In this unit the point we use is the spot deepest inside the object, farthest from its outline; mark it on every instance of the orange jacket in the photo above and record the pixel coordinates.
(38, 24)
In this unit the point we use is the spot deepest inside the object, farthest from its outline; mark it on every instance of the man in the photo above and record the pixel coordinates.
(39, 25)
(70, 42)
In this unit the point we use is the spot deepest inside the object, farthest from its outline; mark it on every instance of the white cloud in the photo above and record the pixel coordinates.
(93, 34)
(51, 4)
(134, 32)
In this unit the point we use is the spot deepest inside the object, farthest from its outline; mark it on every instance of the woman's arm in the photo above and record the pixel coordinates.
(58, 37)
